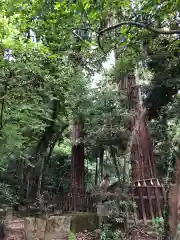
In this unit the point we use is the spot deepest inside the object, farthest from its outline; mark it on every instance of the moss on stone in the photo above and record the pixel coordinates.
(84, 221)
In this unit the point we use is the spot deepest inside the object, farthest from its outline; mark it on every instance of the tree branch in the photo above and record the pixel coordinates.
(138, 25)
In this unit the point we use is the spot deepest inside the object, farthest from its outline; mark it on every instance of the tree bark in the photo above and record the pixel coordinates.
(101, 162)
(77, 166)
(166, 232)
(96, 173)
(38, 195)
(174, 205)
(113, 155)
(124, 174)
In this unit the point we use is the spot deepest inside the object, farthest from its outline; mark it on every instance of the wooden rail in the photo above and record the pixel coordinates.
(148, 197)
(64, 203)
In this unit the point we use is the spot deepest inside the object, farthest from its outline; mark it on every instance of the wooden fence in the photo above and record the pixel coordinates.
(72, 202)
(148, 196)
(60, 204)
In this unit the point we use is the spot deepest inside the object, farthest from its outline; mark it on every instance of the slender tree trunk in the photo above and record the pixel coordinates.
(166, 232)
(27, 179)
(46, 162)
(38, 194)
(87, 171)
(113, 155)
(3, 105)
(124, 174)
(101, 162)
(168, 166)
(57, 137)
(22, 179)
(174, 206)
(96, 173)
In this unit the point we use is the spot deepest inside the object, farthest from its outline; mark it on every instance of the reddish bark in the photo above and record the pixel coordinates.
(143, 162)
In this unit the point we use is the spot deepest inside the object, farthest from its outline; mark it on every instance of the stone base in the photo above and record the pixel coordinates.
(52, 228)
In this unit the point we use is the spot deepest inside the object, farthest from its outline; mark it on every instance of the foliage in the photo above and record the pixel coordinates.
(107, 233)
(45, 85)
(117, 212)
(8, 197)
(159, 225)
(165, 133)
(72, 236)
(106, 119)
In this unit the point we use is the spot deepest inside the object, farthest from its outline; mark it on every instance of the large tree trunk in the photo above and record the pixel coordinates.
(77, 168)
(140, 145)
(139, 148)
